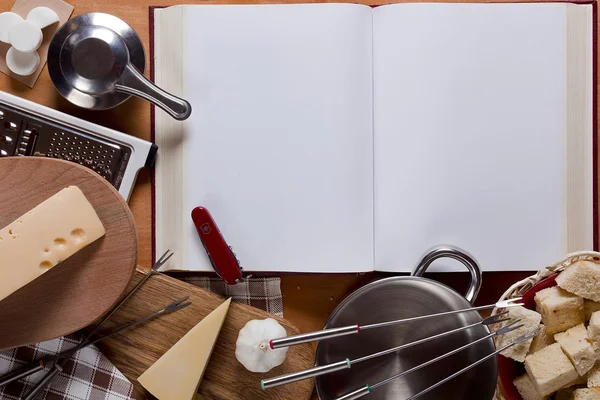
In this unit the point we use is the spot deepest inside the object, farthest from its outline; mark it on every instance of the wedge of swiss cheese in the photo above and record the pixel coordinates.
(178, 373)
(45, 236)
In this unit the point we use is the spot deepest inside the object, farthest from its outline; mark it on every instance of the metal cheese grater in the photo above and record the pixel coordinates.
(29, 129)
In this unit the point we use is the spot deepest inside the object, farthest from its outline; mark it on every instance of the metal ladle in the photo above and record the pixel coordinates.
(95, 60)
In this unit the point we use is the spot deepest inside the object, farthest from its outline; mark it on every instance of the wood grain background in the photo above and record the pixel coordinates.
(308, 299)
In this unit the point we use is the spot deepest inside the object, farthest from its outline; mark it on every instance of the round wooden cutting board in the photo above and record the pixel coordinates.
(79, 290)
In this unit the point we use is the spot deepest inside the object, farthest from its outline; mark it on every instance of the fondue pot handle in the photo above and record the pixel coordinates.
(447, 251)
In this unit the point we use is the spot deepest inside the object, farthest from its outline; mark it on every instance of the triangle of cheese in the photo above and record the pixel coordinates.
(178, 373)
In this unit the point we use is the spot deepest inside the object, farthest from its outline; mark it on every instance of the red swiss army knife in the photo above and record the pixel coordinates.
(219, 252)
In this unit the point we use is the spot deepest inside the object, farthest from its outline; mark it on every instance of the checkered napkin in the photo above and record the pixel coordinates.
(264, 293)
(89, 375)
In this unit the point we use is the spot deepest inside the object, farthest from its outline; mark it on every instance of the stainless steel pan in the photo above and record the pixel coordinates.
(97, 61)
(404, 297)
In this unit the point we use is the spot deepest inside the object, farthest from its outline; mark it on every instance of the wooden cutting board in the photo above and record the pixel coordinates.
(225, 378)
(79, 290)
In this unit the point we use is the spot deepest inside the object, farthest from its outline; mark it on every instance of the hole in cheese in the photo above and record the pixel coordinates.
(46, 250)
(60, 243)
(78, 235)
(45, 265)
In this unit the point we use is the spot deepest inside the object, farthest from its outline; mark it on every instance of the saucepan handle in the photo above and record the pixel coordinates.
(134, 83)
(448, 251)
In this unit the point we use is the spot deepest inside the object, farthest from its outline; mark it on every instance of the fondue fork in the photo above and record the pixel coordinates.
(60, 362)
(367, 389)
(40, 365)
(331, 333)
(61, 359)
(347, 363)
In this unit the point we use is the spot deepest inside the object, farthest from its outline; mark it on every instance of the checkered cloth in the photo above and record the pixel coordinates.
(260, 293)
(89, 375)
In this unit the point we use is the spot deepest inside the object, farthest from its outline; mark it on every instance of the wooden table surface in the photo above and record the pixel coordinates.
(308, 299)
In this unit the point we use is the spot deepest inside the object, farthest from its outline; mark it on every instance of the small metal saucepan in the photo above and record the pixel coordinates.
(403, 297)
(97, 61)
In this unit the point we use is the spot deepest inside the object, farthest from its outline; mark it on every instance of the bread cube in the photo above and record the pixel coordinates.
(550, 369)
(590, 307)
(530, 320)
(581, 278)
(567, 392)
(578, 347)
(593, 376)
(586, 394)
(564, 394)
(545, 294)
(526, 388)
(580, 381)
(594, 329)
(541, 340)
(560, 309)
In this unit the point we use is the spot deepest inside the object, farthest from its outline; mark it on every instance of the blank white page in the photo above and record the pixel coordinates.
(279, 146)
(470, 120)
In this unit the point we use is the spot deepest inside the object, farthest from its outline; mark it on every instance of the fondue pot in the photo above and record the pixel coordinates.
(404, 297)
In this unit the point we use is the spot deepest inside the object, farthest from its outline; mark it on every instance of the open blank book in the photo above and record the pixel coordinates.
(345, 138)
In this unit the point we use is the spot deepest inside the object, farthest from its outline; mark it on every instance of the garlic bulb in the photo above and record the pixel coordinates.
(252, 348)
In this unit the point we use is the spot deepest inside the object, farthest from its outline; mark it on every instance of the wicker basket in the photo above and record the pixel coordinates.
(519, 288)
